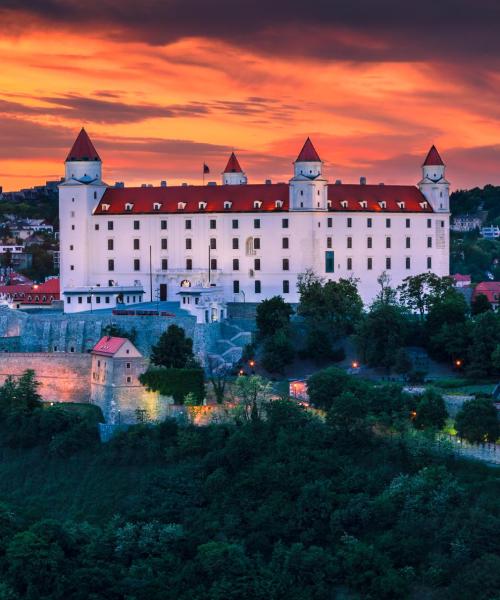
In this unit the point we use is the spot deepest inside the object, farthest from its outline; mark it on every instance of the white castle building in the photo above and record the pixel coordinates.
(128, 245)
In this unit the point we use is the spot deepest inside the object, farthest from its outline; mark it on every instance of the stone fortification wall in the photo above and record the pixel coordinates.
(63, 377)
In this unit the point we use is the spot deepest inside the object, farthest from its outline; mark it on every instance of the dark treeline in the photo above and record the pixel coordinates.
(290, 506)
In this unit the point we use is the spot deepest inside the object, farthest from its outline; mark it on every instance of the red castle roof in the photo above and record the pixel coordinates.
(233, 166)
(308, 153)
(108, 346)
(433, 158)
(42, 293)
(256, 198)
(83, 148)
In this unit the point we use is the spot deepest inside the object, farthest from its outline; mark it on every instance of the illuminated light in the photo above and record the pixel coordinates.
(413, 414)
(241, 372)
(458, 363)
(251, 363)
(355, 364)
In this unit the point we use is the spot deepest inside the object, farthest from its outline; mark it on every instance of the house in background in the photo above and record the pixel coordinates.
(490, 289)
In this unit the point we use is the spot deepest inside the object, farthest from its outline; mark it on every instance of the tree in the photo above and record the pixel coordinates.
(477, 421)
(252, 394)
(402, 362)
(114, 330)
(419, 292)
(348, 413)
(325, 385)
(218, 375)
(273, 314)
(173, 350)
(431, 411)
(278, 352)
(480, 304)
(485, 337)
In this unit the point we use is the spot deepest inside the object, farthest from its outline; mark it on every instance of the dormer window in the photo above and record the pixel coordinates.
(344, 203)
(329, 203)
(363, 203)
(227, 205)
(257, 204)
(202, 205)
(423, 205)
(128, 206)
(181, 205)
(105, 207)
(278, 204)
(156, 205)
(401, 205)
(382, 204)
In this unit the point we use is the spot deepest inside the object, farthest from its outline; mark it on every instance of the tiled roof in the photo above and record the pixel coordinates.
(255, 198)
(490, 289)
(83, 148)
(28, 294)
(308, 153)
(433, 158)
(108, 346)
(233, 166)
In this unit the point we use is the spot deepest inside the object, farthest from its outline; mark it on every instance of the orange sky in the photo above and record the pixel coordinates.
(157, 109)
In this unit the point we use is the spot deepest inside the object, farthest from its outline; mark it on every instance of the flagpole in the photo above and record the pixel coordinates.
(203, 172)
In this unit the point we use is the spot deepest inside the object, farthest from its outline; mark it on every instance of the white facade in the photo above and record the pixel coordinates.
(155, 244)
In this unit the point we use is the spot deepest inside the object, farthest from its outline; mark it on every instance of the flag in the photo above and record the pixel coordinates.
(205, 169)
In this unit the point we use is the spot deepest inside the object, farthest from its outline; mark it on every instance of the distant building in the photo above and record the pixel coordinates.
(490, 232)
(36, 294)
(490, 289)
(461, 280)
(465, 223)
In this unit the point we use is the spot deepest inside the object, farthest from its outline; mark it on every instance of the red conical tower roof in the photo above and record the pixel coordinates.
(433, 158)
(233, 166)
(83, 148)
(308, 153)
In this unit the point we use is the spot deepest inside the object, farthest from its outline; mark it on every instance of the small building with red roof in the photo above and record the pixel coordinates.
(35, 294)
(490, 289)
(461, 280)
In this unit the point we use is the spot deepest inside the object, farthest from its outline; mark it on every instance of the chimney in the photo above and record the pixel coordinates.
(163, 183)
(362, 180)
(268, 182)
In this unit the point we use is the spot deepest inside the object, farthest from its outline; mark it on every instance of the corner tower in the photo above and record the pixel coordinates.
(433, 184)
(308, 188)
(233, 174)
(79, 194)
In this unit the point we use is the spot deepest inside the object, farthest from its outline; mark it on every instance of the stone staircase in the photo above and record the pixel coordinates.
(229, 347)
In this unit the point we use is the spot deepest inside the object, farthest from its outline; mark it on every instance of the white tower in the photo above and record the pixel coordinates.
(434, 185)
(79, 194)
(233, 173)
(308, 188)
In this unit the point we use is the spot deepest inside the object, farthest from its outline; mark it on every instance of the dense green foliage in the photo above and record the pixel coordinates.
(273, 314)
(273, 334)
(477, 421)
(115, 330)
(431, 411)
(283, 507)
(173, 350)
(175, 382)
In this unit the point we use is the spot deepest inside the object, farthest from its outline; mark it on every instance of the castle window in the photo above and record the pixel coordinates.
(257, 286)
(256, 223)
(106, 299)
(284, 223)
(79, 299)
(213, 224)
(256, 243)
(136, 243)
(301, 192)
(95, 195)
(213, 244)
(329, 261)
(257, 204)
(369, 263)
(329, 242)
(387, 242)
(408, 262)
(156, 205)
(89, 299)
(429, 262)
(129, 206)
(111, 265)
(429, 223)
(301, 205)
(96, 226)
(164, 243)
(202, 205)
(349, 222)
(163, 224)
(429, 242)
(72, 213)
(349, 264)
(110, 244)
(137, 224)
(369, 242)
(72, 267)
(164, 264)
(278, 204)
(213, 264)
(286, 286)
(73, 227)
(236, 243)
(235, 223)
(98, 300)
(408, 223)
(181, 205)
(349, 242)
(285, 243)
(71, 247)
(137, 264)
(187, 224)
(329, 222)
(369, 222)
(363, 204)
(382, 204)
(110, 225)
(227, 205)
(189, 244)
(408, 242)
(68, 300)
(388, 223)
(236, 264)
(236, 287)
(388, 263)
(129, 379)
(286, 264)
(256, 264)
(128, 365)
(344, 203)
(189, 264)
